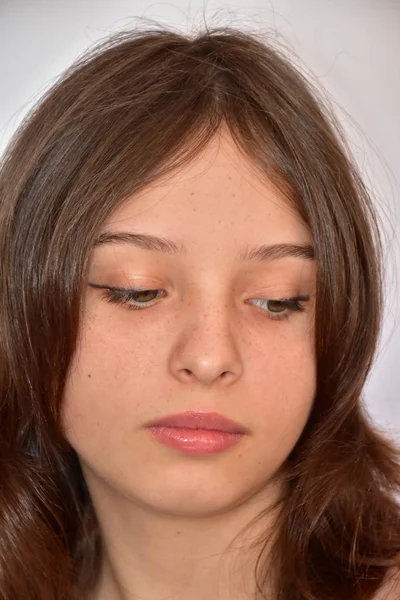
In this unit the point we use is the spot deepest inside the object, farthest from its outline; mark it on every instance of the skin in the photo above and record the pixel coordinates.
(166, 517)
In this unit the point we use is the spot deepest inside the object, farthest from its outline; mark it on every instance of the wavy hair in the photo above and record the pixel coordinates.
(129, 111)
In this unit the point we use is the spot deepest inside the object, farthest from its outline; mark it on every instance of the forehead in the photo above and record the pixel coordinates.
(219, 198)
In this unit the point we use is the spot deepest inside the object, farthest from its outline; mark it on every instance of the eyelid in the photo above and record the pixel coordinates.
(299, 297)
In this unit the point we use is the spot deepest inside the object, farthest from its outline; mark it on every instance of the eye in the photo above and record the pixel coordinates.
(136, 299)
(278, 310)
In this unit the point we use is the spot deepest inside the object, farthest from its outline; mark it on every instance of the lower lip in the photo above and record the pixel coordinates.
(195, 441)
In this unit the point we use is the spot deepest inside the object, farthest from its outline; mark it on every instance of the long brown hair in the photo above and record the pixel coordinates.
(129, 111)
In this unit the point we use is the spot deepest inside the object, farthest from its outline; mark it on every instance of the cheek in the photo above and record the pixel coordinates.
(283, 386)
(106, 385)
(282, 360)
(287, 389)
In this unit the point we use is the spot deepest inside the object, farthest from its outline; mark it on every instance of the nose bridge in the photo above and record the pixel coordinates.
(210, 307)
(206, 345)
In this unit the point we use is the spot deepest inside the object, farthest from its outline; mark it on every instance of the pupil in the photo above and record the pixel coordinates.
(146, 292)
(276, 304)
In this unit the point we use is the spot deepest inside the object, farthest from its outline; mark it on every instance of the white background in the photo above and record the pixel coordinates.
(351, 46)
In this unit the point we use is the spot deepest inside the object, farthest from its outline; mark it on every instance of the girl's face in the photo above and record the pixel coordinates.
(209, 340)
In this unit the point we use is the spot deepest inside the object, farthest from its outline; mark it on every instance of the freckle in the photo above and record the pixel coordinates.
(89, 375)
(192, 193)
(179, 532)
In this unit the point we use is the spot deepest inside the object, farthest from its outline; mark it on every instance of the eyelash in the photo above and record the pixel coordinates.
(123, 296)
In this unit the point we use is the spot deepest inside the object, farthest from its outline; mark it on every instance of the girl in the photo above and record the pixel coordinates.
(191, 298)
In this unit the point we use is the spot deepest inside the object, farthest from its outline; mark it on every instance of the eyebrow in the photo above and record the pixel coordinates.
(252, 253)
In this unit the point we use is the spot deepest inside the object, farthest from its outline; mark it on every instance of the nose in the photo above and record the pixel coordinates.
(206, 348)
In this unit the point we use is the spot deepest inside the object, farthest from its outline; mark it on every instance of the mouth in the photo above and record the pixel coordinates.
(197, 433)
(200, 420)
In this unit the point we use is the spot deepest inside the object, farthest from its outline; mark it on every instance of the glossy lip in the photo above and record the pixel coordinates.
(199, 420)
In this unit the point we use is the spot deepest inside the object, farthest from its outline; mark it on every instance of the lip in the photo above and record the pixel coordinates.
(195, 441)
(190, 419)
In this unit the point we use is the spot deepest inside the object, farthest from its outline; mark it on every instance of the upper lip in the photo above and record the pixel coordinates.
(199, 420)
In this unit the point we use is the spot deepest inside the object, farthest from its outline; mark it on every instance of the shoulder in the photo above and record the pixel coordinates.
(390, 590)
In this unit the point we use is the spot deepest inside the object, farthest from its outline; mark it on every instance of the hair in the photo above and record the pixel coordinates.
(129, 111)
